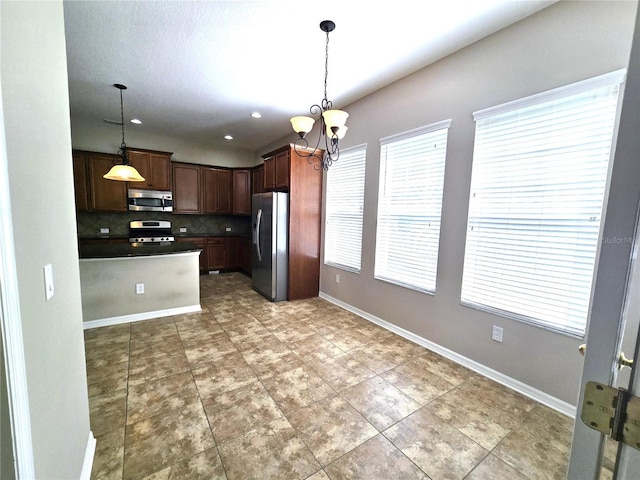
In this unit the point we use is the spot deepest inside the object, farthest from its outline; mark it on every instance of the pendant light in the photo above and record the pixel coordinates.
(333, 126)
(123, 172)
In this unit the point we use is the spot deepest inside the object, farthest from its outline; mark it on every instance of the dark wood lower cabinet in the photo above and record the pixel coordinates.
(199, 243)
(246, 252)
(222, 253)
(216, 255)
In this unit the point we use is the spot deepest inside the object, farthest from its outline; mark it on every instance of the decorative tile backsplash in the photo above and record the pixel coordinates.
(90, 223)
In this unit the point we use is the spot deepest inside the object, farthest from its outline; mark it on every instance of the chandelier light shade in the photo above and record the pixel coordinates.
(123, 172)
(333, 122)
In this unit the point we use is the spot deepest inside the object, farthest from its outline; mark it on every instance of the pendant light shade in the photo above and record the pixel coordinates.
(123, 172)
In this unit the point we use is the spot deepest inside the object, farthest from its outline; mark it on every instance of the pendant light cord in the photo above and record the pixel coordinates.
(123, 145)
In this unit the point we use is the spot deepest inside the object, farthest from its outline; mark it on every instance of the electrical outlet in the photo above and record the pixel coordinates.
(228, 229)
(183, 229)
(139, 288)
(337, 278)
(104, 231)
(496, 333)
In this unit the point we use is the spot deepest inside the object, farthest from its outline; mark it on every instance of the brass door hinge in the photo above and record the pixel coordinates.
(612, 411)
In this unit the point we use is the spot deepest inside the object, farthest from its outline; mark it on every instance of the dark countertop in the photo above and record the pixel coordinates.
(221, 234)
(176, 235)
(126, 250)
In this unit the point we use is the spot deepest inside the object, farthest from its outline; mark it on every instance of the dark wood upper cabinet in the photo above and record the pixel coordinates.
(105, 195)
(269, 174)
(257, 179)
(276, 170)
(80, 181)
(225, 187)
(282, 169)
(154, 166)
(241, 191)
(216, 190)
(186, 188)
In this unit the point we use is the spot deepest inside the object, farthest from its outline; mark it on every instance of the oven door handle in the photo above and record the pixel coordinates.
(258, 225)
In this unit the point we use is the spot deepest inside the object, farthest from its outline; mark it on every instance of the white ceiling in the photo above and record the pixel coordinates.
(195, 70)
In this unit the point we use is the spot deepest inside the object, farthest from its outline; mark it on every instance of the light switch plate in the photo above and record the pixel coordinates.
(228, 229)
(48, 281)
(104, 230)
(183, 229)
(139, 288)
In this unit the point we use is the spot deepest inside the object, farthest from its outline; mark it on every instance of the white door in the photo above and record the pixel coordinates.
(616, 293)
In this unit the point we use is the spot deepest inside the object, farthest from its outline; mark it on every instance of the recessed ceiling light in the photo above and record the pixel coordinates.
(136, 121)
(228, 137)
(256, 115)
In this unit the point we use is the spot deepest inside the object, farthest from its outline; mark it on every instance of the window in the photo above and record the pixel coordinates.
(540, 169)
(409, 206)
(344, 206)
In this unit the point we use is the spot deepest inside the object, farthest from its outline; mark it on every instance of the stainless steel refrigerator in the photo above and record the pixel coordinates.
(270, 219)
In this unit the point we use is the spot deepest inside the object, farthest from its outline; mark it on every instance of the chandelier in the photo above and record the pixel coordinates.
(332, 128)
(123, 172)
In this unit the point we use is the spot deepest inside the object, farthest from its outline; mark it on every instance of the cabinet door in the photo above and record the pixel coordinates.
(241, 192)
(80, 182)
(257, 180)
(269, 174)
(155, 167)
(160, 177)
(106, 195)
(246, 253)
(282, 170)
(199, 243)
(232, 252)
(186, 188)
(224, 182)
(209, 190)
(216, 190)
(140, 161)
(216, 253)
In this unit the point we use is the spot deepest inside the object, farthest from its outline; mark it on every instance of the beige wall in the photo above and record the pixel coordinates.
(564, 43)
(38, 142)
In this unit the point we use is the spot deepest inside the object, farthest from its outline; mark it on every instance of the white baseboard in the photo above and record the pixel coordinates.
(136, 317)
(520, 387)
(89, 454)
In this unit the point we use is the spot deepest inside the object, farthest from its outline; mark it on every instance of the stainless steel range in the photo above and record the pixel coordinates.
(150, 232)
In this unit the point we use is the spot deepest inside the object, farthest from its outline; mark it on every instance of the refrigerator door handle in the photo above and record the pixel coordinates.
(258, 224)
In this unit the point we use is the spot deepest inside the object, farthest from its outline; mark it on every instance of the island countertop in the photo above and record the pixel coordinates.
(126, 250)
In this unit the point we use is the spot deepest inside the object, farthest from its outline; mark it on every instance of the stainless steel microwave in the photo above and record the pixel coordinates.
(150, 200)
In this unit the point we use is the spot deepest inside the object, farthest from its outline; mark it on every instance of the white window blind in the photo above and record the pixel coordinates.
(409, 206)
(344, 208)
(540, 169)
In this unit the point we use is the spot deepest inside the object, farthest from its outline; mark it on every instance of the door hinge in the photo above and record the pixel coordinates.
(612, 411)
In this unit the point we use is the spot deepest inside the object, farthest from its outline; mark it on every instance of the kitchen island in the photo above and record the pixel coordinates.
(121, 283)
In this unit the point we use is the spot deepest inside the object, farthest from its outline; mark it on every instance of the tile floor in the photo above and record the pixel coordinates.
(249, 389)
